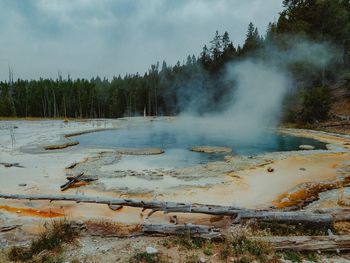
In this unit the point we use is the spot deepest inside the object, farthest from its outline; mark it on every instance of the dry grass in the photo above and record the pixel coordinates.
(47, 246)
(111, 229)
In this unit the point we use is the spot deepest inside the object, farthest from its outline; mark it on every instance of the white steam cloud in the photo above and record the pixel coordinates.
(257, 94)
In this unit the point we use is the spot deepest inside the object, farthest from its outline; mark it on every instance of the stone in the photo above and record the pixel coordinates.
(151, 250)
(270, 169)
(306, 147)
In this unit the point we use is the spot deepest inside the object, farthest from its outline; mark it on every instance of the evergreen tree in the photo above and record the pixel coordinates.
(252, 41)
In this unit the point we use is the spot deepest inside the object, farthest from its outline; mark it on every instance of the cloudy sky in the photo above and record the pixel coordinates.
(40, 38)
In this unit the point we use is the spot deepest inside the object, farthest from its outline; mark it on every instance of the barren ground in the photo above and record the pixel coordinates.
(236, 180)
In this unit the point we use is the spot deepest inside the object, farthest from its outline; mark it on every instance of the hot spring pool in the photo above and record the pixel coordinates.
(176, 142)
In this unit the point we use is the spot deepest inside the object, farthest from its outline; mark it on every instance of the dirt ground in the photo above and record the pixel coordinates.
(240, 181)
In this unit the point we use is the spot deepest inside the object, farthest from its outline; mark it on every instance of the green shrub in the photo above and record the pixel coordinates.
(316, 103)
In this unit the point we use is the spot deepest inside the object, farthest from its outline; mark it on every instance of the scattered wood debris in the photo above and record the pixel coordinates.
(74, 179)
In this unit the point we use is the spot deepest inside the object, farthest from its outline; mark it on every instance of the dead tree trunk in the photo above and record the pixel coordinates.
(290, 217)
(192, 230)
(309, 243)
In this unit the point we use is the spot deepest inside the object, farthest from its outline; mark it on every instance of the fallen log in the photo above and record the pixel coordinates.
(290, 217)
(167, 207)
(8, 165)
(86, 179)
(309, 243)
(9, 228)
(87, 131)
(190, 229)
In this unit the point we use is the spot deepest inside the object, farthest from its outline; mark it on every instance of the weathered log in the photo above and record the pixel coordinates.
(167, 207)
(190, 229)
(86, 179)
(8, 228)
(290, 217)
(8, 165)
(61, 146)
(309, 243)
(72, 180)
(87, 131)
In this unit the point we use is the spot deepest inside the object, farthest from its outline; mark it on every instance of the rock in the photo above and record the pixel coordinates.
(173, 219)
(306, 147)
(211, 149)
(270, 169)
(151, 250)
(202, 260)
(302, 169)
(115, 207)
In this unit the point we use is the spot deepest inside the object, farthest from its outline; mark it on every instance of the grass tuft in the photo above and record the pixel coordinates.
(58, 233)
(144, 257)
(245, 249)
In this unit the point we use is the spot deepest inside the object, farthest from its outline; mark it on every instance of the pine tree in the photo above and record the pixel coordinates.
(216, 45)
(253, 40)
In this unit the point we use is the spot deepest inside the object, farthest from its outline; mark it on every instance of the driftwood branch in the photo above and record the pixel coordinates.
(290, 217)
(309, 243)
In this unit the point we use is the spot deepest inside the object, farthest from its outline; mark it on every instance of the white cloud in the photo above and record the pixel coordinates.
(106, 37)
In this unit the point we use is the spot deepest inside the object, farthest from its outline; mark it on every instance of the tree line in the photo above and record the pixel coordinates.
(197, 82)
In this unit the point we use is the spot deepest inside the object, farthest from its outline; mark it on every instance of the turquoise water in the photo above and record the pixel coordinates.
(177, 142)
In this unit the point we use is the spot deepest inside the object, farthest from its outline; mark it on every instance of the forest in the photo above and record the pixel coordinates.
(196, 83)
